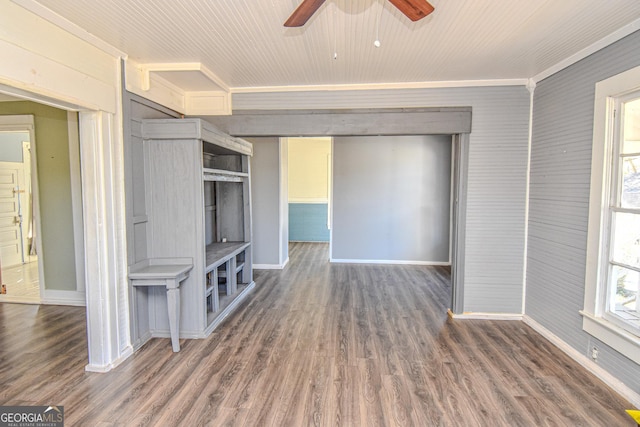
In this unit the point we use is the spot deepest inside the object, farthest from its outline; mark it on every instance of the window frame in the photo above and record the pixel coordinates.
(596, 321)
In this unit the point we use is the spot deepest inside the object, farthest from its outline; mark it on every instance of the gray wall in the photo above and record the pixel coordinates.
(135, 109)
(265, 200)
(559, 201)
(495, 226)
(11, 146)
(391, 198)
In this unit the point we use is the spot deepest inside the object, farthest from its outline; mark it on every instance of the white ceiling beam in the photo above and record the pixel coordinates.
(182, 66)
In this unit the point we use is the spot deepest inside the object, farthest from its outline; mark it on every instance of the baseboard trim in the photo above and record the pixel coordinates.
(188, 335)
(55, 297)
(484, 316)
(102, 369)
(617, 385)
(389, 262)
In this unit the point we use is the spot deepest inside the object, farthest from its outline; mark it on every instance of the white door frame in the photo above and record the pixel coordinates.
(27, 153)
(25, 123)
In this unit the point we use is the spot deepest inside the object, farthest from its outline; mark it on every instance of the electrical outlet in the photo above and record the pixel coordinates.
(594, 353)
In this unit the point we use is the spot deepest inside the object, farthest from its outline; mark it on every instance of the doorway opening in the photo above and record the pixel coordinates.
(41, 251)
(18, 243)
(21, 272)
(309, 188)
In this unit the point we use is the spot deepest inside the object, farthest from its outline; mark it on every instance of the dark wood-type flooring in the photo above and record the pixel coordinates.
(316, 344)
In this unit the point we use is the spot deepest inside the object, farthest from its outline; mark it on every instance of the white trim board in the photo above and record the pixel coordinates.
(76, 199)
(391, 261)
(380, 86)
(309, 201)
(585, 362)
(102, 369)
(271, 266)
(485, 316)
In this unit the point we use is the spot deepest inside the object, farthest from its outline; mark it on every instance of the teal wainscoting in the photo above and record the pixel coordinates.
(308, 222)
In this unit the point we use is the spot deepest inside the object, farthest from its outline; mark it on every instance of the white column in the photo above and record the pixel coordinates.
(105, 243)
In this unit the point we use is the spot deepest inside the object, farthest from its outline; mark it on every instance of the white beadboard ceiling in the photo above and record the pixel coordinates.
(244, 42)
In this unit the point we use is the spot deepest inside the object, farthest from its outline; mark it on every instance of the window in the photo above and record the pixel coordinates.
(612, 311)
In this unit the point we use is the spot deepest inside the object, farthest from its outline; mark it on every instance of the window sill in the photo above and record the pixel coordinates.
(614, 336)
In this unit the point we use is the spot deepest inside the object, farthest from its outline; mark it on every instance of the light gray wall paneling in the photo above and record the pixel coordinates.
(176, 226)
(135, 109)
(559, 199)
(398, 121)
(265, 195)
(496, 175)
(391, 198)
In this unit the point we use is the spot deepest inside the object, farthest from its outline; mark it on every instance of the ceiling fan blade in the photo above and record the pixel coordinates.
(301, 15)
(414, 9)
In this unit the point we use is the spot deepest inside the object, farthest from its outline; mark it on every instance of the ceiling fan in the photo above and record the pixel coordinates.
(414, 9)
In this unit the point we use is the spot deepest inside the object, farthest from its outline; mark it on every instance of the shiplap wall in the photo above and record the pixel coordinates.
(308, 222)
(135, 109)
(559, 200)
(497, 175)
(265, 200)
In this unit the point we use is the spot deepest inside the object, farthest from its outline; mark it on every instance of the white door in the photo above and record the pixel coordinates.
(11, 187)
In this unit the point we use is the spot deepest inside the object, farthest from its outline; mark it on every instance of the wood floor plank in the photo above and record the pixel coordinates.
(344, 398)
(290, 407)
(371, 395)
(290, 324)
(242, 392)
(315, 344)
(346, 342)
(396, 397)
(319, 387)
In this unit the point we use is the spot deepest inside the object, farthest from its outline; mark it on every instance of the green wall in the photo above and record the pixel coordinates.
(54, 181)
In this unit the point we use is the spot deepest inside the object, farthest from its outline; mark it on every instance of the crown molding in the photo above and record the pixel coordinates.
(382, 86)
